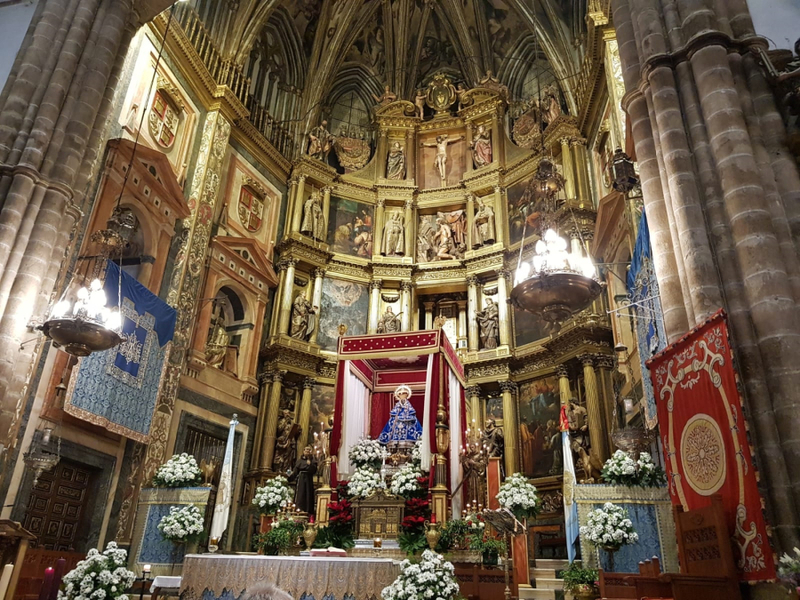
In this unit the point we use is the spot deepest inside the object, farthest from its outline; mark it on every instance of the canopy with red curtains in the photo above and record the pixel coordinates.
(371, 367)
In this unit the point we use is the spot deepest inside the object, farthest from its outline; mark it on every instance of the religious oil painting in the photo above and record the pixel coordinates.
(529, 328)
(343, 303)
(350, 227)
(321, 408)
(518, 212)
(539, 434)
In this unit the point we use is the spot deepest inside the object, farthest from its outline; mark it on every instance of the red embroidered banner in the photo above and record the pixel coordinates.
(705, 442)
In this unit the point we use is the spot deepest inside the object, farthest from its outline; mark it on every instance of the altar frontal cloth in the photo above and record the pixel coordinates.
(704, 436)
(117, 389)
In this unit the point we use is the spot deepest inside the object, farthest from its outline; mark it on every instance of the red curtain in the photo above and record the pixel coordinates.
(338, 409)
(704, 436)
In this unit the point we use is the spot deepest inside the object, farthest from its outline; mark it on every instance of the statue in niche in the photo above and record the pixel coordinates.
(441, 236)
(488, 321)
(396, 162)
(286, 443)
(483, 228)
(492, 439)
(550, 105)
(389, 322)
(578, 423)
(303, 474)
(443, 240)
(313, 220)
(394, 236)
(387, 96)
(481, 148)
(419, 101)
(440, 162)
(218, 340)
(403, 428)
(303, 318)
(320, 142)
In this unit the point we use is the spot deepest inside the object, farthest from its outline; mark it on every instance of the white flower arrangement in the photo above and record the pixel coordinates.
(416, 453)
(609, 527)
(275, 494)
(364, 482)
(621, 469)
(432, 578)
(367, 452)
(182, 524)
(179, 471)
(519, 496)
(404, 482)
(100, 576)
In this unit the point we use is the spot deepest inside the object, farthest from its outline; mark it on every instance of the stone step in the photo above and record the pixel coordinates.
(546, 583)
(551, 563)
(546, 573)
(536, 594)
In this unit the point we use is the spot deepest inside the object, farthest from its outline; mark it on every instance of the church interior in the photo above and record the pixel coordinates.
(399, 299)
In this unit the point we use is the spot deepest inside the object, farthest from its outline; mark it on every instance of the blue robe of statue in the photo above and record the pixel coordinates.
(403, 425)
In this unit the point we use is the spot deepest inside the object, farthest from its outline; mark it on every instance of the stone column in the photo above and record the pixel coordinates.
(500, 220)
(406, 289)
(271, 426)
(377, 231)
(471, 241)
(568, 168)
(261, 420)
(410, 236)
(473, 392)
(429, 315)
(287, 297)
(374, 304)
(510, 426)
(564, 392)
(605, 363)
(291, 205)
(326, 209)
(503, 315)
(316, 299)
(470, 165)
(472, 308)
(411, 155)
(299, 200)
(462, 324)
(597, 438)
(381, 152)
(304, 417)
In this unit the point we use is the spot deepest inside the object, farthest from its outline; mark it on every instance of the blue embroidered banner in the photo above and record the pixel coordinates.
(646, 306)
(117, 389)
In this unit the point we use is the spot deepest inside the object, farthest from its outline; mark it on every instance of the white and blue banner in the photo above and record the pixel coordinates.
(571, 525)
(117, 389)
(222, 507)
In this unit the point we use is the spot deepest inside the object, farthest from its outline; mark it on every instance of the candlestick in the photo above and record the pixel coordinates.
(146, 569)
(433, 518)
(5, 580)
(47, 584)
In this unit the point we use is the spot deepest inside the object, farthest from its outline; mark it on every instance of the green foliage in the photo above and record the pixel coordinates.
(330, 536)
(575, 576)
(455, 534)
(412, 541)
(281, 536)
(488, 545)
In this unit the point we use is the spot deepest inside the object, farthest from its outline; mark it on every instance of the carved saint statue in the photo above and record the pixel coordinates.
(443, 241)
(396, 162)
(488, 323)
(492, 439)
(550, 105)
(440, 162)
(577, 419)
(303, 318)
(313, 220)
(389, 322)
(303, 474)
(387, 96)
(419, 101)
(286, 444)
(481, 148)
(394, 236)
(483, 229)
(218, 340)
(320, 142)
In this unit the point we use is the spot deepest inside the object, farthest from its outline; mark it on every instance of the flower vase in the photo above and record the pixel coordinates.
(433, 534)
(310, 535)
(610, 550)
(585, 591)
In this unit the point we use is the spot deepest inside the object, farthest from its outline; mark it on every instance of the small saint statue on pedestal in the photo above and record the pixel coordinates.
(303, 474)
(389, 322)
(396, 163)
(481, 148)
(394, 236)
(488, 322)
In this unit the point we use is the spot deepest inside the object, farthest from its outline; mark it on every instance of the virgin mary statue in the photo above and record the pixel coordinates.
(403, 427)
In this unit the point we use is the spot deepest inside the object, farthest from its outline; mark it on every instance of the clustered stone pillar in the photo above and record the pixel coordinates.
(510, 426)
(472, 309)
(53, 113)
(271, 427)
(304, 416)
(720, 193)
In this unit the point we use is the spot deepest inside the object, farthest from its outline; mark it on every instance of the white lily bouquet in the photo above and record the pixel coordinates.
(273, 495)
(367, 453)
(621, 469)
(364, 482)
(519, 496)
(181, 525)
(100, 576)
(431, 578)
(179, 471)
(609, 528)
(405, 481)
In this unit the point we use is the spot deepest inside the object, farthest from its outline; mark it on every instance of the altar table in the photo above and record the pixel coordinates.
(207, 576)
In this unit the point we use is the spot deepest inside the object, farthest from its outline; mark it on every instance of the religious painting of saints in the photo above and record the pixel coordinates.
(321, 409)
(529, 328)
(539, 434)
(350, 227)
(494, 410)
(343, 303)
(519, 212)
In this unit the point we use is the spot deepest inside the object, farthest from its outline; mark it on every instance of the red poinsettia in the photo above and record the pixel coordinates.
(417, 506)
(341, 512)
(413, 521)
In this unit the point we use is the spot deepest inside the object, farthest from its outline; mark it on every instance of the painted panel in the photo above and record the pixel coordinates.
(350, 227)
(343, 302)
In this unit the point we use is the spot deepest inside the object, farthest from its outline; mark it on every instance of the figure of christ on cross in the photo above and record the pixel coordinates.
(440, 162)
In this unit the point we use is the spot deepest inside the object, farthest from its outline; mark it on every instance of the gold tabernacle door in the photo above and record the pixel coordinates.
(379, 515)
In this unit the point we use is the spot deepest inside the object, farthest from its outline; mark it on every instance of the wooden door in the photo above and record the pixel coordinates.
(58, 509)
